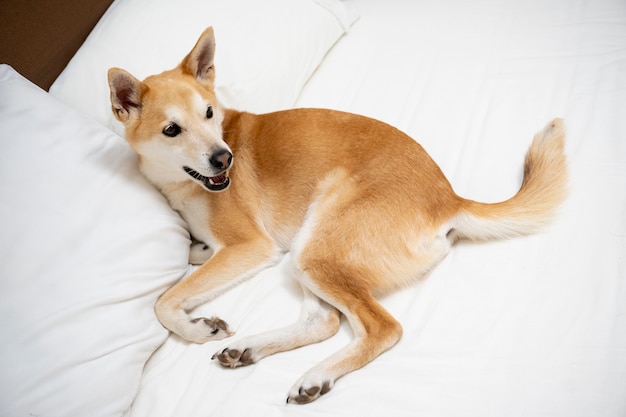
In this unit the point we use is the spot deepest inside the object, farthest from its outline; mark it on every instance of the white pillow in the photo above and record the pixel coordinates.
(266, 50)
(87, 247)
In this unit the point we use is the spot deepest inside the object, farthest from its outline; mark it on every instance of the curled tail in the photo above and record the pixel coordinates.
(544, 187)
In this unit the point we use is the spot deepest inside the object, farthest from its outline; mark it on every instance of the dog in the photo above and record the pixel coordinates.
(361, 207)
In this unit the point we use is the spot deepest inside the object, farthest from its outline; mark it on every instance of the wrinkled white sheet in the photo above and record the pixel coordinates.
(534, 326)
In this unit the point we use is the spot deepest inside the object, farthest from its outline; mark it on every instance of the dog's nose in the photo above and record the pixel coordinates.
(221, 159)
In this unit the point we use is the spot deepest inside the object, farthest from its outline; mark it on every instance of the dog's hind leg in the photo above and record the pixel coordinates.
(318, 321)
(375, 331)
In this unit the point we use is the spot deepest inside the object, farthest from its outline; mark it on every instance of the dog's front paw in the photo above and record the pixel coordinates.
(201, 330)
(309, 388)
(199, 253)
(234, 358)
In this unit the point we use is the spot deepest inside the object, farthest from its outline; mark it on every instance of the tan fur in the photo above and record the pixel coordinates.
(361, 206)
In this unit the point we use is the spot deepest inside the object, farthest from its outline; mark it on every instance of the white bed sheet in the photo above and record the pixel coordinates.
(533, 326)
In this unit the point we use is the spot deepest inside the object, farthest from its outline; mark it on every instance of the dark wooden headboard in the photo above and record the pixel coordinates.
(38, 37)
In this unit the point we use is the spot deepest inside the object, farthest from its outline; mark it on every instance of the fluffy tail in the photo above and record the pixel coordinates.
(544, 187)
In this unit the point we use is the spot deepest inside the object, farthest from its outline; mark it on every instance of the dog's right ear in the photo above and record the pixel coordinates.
(126, 92)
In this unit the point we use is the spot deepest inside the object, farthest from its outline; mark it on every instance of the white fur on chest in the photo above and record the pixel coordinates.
(183, 195)
(194, 209)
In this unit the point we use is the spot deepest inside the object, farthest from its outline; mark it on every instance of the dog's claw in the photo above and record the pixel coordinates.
(234, 358)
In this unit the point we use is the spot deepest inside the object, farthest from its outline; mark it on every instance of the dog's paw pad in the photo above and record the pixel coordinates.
(233, 358)
(199, 253)
(210, 329)
(307, 394)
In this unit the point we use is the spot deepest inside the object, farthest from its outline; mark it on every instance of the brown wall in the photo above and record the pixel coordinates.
(38, 37)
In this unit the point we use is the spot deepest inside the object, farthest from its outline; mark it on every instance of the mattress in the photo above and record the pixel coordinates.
(532, 326)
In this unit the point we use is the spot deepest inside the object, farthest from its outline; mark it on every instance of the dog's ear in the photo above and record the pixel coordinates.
(199, 62)
(126, 93)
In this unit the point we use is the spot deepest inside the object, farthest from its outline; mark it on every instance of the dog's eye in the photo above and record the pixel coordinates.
(171, 130)
(209, 112)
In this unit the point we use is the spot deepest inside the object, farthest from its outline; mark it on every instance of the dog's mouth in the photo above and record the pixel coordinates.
(216, 183)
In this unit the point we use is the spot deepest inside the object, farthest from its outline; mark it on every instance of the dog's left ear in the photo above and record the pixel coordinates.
(199, 62)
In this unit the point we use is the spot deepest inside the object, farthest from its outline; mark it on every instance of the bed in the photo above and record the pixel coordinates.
(533, 326)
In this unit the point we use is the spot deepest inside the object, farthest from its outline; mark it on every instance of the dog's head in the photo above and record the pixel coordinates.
(173, 120)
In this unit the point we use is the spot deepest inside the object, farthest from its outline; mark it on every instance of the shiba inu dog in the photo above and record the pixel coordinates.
(361, 206)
